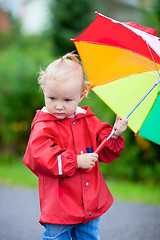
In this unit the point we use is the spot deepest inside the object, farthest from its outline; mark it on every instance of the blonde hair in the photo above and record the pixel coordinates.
(64, 67)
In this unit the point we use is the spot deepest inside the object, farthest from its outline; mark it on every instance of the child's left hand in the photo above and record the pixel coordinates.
(119, 126)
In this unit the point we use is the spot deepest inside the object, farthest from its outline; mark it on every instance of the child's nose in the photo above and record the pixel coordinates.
(59, 107)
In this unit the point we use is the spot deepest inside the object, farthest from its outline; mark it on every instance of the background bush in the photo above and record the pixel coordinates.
(20, 63)
(70, 18)
(20, 60)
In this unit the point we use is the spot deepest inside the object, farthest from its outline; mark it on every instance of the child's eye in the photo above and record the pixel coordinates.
(68, 100)
(52, 98)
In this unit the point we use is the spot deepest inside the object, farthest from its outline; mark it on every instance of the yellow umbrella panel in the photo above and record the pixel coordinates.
(122, 95)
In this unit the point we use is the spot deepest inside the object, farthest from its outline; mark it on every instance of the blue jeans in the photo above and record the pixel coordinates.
(81, 231)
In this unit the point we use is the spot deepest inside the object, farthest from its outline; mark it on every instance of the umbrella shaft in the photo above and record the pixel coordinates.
(98, 149)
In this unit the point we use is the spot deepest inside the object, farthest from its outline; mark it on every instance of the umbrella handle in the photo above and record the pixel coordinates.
(99, 148)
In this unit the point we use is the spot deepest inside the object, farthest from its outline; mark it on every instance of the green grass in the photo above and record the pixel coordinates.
(16, 174)
(135, 192)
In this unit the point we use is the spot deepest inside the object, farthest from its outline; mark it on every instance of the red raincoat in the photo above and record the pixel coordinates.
(67, 194)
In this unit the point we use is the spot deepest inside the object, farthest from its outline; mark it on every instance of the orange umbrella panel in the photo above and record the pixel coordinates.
(111, 63)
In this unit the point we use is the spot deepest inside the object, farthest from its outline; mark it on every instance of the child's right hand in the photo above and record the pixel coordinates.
(87, 160)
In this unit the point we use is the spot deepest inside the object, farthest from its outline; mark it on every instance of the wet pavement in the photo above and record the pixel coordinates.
(19, 216)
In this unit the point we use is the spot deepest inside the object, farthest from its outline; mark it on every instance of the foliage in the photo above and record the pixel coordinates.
(156, 7)
(19, 93)
(151, 14)
(139, 161)
(20, 61)
(156, 10)
(68, 19)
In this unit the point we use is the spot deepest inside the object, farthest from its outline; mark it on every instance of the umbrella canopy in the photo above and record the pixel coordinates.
(122, 64)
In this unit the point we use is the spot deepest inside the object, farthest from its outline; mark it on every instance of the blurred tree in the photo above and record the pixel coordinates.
(20, 61)
(68, 19)
(151, 14)
(156, 10)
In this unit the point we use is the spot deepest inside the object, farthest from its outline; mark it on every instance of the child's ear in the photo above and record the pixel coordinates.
(42, 87)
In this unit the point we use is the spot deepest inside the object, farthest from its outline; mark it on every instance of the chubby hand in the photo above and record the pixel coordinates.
(119, 126)
(87, 160)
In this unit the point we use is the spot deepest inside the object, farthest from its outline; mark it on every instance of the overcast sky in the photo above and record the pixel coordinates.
(34, 17)
(12, 5)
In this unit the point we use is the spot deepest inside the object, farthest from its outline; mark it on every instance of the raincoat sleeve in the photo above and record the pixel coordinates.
(44, 156)
(113, 147)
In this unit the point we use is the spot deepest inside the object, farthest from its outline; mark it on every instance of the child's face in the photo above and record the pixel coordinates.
(62, 97)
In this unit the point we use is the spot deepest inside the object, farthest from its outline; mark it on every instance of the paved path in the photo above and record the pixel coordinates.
(19, 215)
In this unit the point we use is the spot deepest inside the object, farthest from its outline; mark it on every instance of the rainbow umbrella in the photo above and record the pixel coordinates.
(122, 63)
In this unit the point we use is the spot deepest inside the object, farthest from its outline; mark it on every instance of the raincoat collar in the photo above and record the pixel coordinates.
(78, 110)
(44, 116)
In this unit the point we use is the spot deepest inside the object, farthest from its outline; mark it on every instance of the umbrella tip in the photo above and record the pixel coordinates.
(96, 13)
(136, 133)
(158, 81)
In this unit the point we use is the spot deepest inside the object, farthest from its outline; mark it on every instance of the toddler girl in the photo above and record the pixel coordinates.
(61, 147)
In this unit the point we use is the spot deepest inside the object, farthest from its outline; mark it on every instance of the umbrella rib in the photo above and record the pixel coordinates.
(117, 78)
(147, 64)
(155, 84)
(153, 58)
